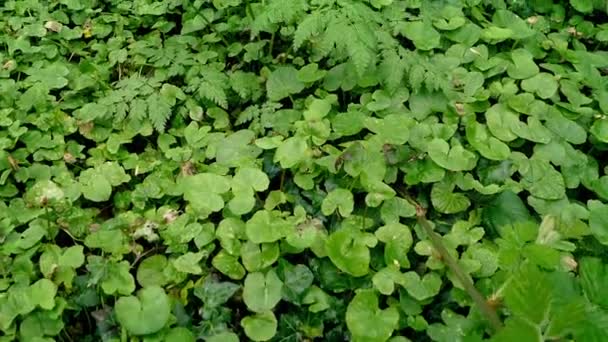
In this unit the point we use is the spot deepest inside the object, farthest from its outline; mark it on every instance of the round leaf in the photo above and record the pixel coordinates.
(145, 314)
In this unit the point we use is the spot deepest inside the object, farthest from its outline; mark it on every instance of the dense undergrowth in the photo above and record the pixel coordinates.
(299, 170)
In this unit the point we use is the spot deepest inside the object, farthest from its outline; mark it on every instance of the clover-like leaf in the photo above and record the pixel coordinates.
(261, 326)
(283, 82)
(291, 152)
(421, 288)
(262, 291)
(204, 191)
(145, 314)
(542, 84)
(456, 158)
(366, 321)
(348, 249)
(447, 201)
(340, 199)
(266, 226)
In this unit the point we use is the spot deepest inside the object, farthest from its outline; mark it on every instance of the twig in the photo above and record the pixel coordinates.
(452, 264)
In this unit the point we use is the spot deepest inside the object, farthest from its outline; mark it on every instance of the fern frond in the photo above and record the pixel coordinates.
(246, 85)
(159, 111)
(212, 92)
(313, 25)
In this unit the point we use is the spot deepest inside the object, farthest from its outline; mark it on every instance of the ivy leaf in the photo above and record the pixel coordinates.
(340, 199)
(262, 291)
(366, 321)
(145, 314)
(456, 158)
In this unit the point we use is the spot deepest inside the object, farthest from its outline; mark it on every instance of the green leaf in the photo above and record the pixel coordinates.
(488, 146)
(291, 152)
(340, 199)
(523, 65)
(348, 250)
(599, 129)
(396, 207)
(266, 226)
(424, 288)
(542, 84)
(598, 220)
(283, 82)
(583, 6)
(42, 293)
(94, 187)
(456, 158)
(507, 208)
(594, 280)
(189, 262)
(518, 329)
(526, 294)
(398, 240)
(229, 265)
(260, 327)
(150, 271)
(262, 291)
(542, 180)
(204, 191)
(366, 321)
(446, 201)
(118, 279)
(214, 293)
(145, 314)
(422, 33)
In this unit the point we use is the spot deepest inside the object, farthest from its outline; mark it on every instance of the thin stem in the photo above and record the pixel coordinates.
(452, 264)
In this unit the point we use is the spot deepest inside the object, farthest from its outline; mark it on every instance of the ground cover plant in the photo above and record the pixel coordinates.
(303, 170)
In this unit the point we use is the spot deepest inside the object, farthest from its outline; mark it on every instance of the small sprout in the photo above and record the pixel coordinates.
(9, 65)
(494, 301)
(53, 25)
(93, 227)
(13, 163)
(147, 231)
(532, 20)
(459, 108)
(569, 263)
(170, 216)
(69, 158)
(188, 169)
(87, 29)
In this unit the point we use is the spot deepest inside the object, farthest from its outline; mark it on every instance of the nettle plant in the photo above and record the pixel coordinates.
(294, 170)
